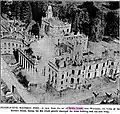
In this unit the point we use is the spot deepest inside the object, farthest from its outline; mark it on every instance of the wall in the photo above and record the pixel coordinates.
(7, 45)
(64, 76)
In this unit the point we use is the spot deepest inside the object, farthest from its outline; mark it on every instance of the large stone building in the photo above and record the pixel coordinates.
(11, 35)
(72, 62)
(54, 26)
(69, 75)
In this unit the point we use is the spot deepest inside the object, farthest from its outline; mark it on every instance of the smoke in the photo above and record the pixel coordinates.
(44, 48)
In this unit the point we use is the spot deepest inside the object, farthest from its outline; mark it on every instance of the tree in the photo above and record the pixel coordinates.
(16, 9)
(22, 79)
(29, 51)
(4, 7)
(15, 53)
(26, 14)
(112, 27)
(35, 29)
(38, 9)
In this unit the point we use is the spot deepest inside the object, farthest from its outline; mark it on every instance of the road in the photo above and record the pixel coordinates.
(10, 80)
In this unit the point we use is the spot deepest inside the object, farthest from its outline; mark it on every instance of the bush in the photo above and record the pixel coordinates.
(22, 79)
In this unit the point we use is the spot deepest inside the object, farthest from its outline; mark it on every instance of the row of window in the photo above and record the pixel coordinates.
(71, 38)
(13, 44)
(79, 72)
(5, 52)
(63, 30)
(78, 79)
(72, 80)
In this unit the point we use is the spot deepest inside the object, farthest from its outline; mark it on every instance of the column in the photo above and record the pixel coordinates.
(33, 73)
(19, 57)
(25, 63)
(21, 60)
(28, 66)
(31, 69)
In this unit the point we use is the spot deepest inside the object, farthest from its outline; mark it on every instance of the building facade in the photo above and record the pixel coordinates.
(11, 35)
(72, 77)
(77, 40)
(8, 44)
(52, 25)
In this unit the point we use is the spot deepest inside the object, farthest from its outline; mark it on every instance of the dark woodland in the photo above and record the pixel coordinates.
(95, 19)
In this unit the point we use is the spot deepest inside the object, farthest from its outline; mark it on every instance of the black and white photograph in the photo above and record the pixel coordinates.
(62, 52)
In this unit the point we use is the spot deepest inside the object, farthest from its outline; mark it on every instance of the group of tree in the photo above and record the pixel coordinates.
(95, 19)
